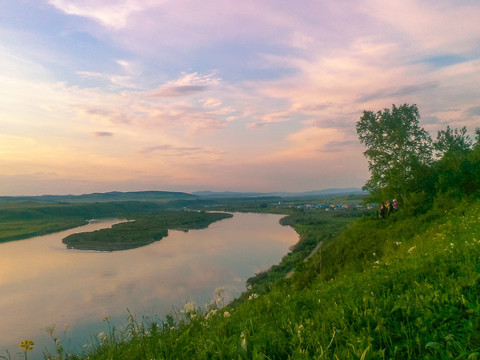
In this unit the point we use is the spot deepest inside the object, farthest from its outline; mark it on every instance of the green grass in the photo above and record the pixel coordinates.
(21, 229)
(313, 226)
(404, 288)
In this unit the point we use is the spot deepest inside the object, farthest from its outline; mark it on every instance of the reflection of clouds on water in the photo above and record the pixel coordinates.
(50, 284)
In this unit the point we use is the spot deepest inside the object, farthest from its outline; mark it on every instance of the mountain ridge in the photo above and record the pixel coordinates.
(105, 197)
(154, 195)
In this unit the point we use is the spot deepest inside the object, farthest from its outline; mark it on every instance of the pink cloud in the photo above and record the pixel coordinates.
(111, 13)
(443, 26)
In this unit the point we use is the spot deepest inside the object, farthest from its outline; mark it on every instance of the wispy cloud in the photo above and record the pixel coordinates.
(473, 111)
(429, 25)
(219, 92)
(177, 91)
(122, 81)
(398, 92)
(189, 152)
(187, 84)
(111, 13)
(102, 134)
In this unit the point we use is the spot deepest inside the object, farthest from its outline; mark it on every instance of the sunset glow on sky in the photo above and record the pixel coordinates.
(103, 95)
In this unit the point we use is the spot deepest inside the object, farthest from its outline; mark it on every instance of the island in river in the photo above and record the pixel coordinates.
(142, 230)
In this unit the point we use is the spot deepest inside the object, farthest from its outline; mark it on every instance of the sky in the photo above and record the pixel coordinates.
(251, 95)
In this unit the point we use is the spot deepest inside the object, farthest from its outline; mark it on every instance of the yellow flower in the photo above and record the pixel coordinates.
(26, 345)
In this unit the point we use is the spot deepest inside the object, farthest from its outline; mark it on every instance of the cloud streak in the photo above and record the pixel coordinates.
(398, 92)
(102, 134)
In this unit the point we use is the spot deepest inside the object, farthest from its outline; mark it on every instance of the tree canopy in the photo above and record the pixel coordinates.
(400, 157)
(397, 148)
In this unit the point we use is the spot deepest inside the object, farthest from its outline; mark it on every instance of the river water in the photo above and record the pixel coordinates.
(43, 284)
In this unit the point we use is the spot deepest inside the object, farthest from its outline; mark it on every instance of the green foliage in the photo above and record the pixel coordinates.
(452, 141)
(399, 154)
(397, 149)
(21, 229)
(143, 230)
(457, 173)
(20, 220)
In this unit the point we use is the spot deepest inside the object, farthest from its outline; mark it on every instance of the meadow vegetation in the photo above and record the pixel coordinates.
(403, 287)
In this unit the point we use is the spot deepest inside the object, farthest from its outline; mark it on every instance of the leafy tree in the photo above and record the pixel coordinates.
(398, 149)
(458, 168)
(452, 142)
(477, 138)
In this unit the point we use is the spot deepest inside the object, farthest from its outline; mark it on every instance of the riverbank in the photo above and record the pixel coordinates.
(22, 220)
(405, 288)
(43, 283)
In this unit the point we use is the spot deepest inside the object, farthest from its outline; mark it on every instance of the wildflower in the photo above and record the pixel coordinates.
(102, 336)
(452, 244)
(374, 254)
(189, 307)
(398, 243)
(226, 314)
(211, 313)
(411, 249)
(244, 341)
(299, 330)
(377, 262)
(253, 296)
(26, 345)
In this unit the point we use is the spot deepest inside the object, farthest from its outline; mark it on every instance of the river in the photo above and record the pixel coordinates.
(43, 284)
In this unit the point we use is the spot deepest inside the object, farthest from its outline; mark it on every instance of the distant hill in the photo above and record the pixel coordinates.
(306, 194)
(105, 197)
(170, 195)
(228, 194)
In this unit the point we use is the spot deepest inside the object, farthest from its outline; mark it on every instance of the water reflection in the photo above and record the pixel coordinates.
(43, 283)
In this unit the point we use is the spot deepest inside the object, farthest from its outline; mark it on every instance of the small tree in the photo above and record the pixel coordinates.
(397, 149)
(458, 167)
(477, 138)
(452, 141)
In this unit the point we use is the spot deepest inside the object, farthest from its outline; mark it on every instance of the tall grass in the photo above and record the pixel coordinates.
(404, 288)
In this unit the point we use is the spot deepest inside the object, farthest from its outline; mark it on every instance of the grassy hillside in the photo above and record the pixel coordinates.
(403, 288)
